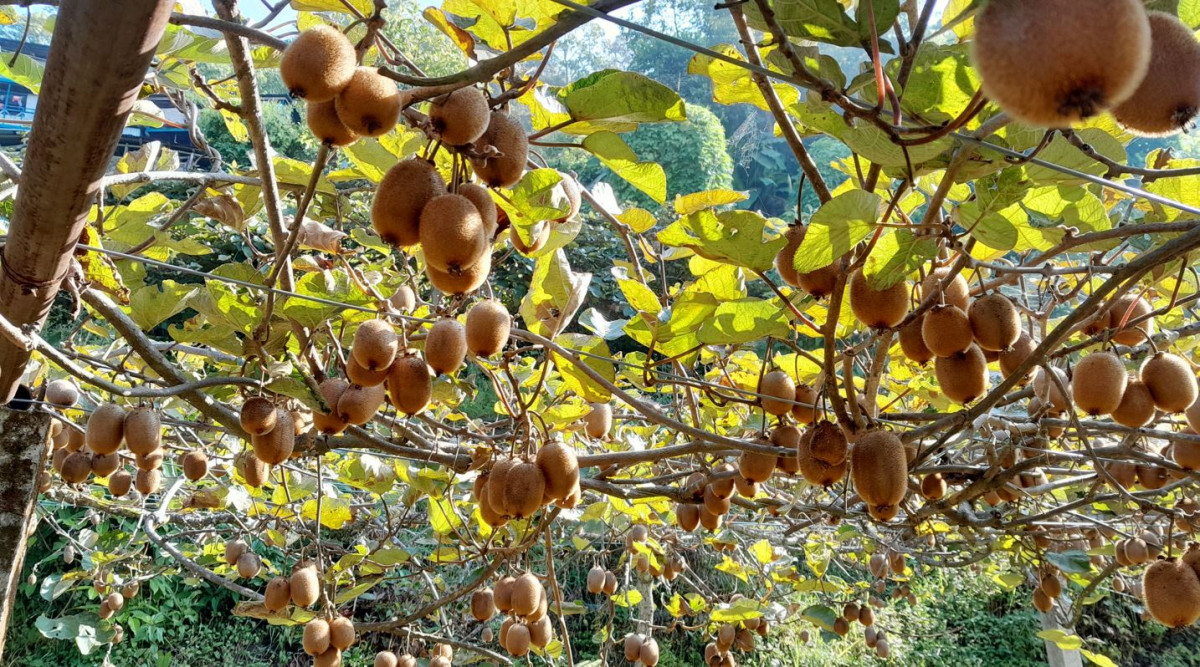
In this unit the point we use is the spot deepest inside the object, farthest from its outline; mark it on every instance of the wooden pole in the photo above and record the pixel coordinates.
(99, 56)
(23, 437)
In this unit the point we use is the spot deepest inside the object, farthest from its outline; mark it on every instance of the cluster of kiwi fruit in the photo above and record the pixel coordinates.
(1048, 589)
(326, 637)
(96, 450)
(601, 581)
(524, 601)
(1100, 385)
(1171, 589)
(302, 588)
(517, 487)
(390, 659)
(640, 649)
(1052, 63)
(241, 557)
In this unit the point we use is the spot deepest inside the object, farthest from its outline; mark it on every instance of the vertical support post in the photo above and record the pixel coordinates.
(23, 437)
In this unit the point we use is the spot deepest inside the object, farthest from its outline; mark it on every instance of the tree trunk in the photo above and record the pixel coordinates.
(23, 437)
(1055, 656)
(99, 56)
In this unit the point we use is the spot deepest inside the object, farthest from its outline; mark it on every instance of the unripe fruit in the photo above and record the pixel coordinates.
(1168, 98)
(446, 346)
(104, 465)
(318, 65)
(1050, 63)
(756, 467)
(1171, 382)
(330, 423)
(819, 283)
(508, 138)
(401, 196)
(995, 322)
(488, 326)
(482, 199)
(777, 391)
(370, 104)
(332, 657)
(257, 416)
(633, 646)
(878, 309)
(358, 374)
(1099, 383)
(517, 640)
(254, 471)
(452, 234)
(933, 487)
(386, 659)
(106, 428)
(648, 655)
(610, 583)
(460, 117)
(963, 377)
(946, 331)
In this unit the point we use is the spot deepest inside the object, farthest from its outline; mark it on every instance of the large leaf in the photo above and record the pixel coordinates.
(85, 629)
(744, 321)
(731, 237)
(575, 378)
(613, 95)
(840, 224)
(614, 153)
(556, 293)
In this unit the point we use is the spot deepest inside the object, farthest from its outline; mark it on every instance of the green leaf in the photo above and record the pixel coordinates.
(744, 321)
(731, 237)
(152, 304)
(363, 6)
(840, 224)
(461, 38)
(818, 20)
(578, 381)
(821, 616)
(629, 598)
(735, 85)
(639, 220)
(732, 567)
(85, 629)
(613, 95)
(614, 153)
(1009, 579)
(743, 609)
(763, 551)
(640, 297)
(25, 71)
(363, 585)
(442, 517)
(1074, 561)
(556, 293)
(1065, 641)
(331, 285)
(897, 255)
(1189, 13)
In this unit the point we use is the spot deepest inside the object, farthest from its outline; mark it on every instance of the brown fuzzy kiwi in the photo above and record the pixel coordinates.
(540, 236)
(318, 64)
(1171, 382)
(633, 646)
(933, 487)
(460, 117)
(610, 579)
(1012, 358)
(463, 283)
(819, 283)
(143, 430)
(598, 422)
(746, 488)
(1124, 473)
(1152, 477)
(278, 594)
(816, 471)
(994, 322)
(104, 465)
(957, 293)
(503, 594)
(249, 565)
(788, 437)
(524, 488)
(517, 640)
(194, 464)
(326, 125)
(404, 299)
(332, 657)
(490, 515)
(61, 392)
(375, 344)
(595, 579)
(358, 404)
(341, 633)
(305, 584)
(387, 659)
(254, 471)
(827, 442)
(711, 522)
(106, 428)
(1051, 585)
(866, 616)
(446, 346)
(507, 137)
(1168, 98)
(963, 377)
(777, 391)
(370, 104)
(76, 467)
(560, 469)
(57, 459)
(233, 550)
(804, 410)
(1186, 454)
(400, 198)
(410, 384)
(358, 374)
(841, 627)
(316, 636)
(526, 594)
(570, 189)
(148, 481)
(912, 342)
(1099, 383)
(784, 263)
(757, 467)
(1128, 308)
(1172, 593)
(1048, 391)
(119, 483)
(540, 632)
(649, 654)
(150, 461)
(1137, 405)
(879, 468)
(452, 234)
(1042, 602)
(488, 326)
(878, 308)
(486, 206)
(714, 503)
(1051, 63)
(257, 416)
(76, 439)
(276, 446)
(946, 331)
(497, 483)
(483, 605)
(722, 488)
(687, 516)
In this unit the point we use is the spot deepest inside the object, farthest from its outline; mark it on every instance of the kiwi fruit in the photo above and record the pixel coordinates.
(1185, 454)
(316, 636)
(358, 374)
(332, 657)
(964, 376)
(506, 136)
(194, 464)
(933, 487)
(370, 104)
(756, 467)
(147, 481)
(467, 281)
(1048, 392)
(326, 125)
(497, 483)
(819, 283)
(649, 654)
(1051, 63)
(143, 430)
(305, 584)
(1171, 382)
(460, 117)
(598, 422)
(257, 416)
(254, 471)
(1172, 593)
(826, 442)
(711, 522)
(119, 483)
(687, 516)
(248, 565)
(446, 346)
(517, 640)
(912, 341)
(277, 595)
(104, 465)
(526, 594)
(404, 299)
(1128, 308)
(106, 428)
(570, 189)
(275, 447)
(233, 550)
(341, 633)
(375, 344)
(540, 632)
(1099, 383)
(957, 293)
(452, 233)
(503, 594)
(946, 331)
(76, 467)
(56, 459)
(610, 579)
(995, 322)
(595, 580)
(409, 383)
(1012, 358)
(816, 471)
(318, 64)
(866, 616)
(1152, 477)
(722, 488)
(784, 263)
(540, 237)
(486, 206)
(401, 196)
(524, 488)
(746, 488)
(879, 468)
(559, 468)
(151, 461)
(788, 437)
(633, 646)
(387, 659)
(61, 392)
(76, 439)
(1168, 98)
(358, 404)
(1137, 405)
(777, 391)
(878, 309)
(715, 503)
(487, 328)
